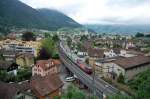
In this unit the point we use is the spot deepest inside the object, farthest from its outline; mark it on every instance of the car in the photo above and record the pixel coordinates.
(69, 79)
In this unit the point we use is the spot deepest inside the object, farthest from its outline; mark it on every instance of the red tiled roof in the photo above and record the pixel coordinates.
(42, 86)
(56, 62)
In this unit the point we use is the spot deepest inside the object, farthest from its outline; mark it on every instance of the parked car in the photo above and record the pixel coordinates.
(69, 79)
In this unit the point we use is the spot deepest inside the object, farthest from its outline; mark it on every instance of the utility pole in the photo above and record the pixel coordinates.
(93, 81)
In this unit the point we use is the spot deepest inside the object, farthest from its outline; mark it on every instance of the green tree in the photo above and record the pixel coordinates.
(141, 84)
(3, 75)
(47, 35)
(28, 36)
(139, 35)
(147, 35)
(74, 93)
(55, 38)
(49, 45)
(84, 38)
(120, 78)
(87, 60)
(119, 97)
(69, 41)
(48, 49)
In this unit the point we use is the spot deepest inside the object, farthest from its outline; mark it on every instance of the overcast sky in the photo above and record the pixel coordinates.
(99, 11)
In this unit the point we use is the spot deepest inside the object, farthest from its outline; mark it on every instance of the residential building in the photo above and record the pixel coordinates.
(95, 54)
(8, 55)
(57, 64)
(128, 66)
(25, 59)
(46, 87)
(10, 67)
(44, 67)
(110, 53)
(23, 49)
(21, 46)
(15, 91)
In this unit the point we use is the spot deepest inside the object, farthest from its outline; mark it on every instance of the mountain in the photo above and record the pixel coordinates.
(119, 29)
(57, 18)
(14, 13)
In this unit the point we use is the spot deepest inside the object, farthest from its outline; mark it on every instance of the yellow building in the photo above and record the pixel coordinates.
(25, 59)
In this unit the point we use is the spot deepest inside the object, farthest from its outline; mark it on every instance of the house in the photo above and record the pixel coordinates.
(57, 64)
(11, 36)
(8, 55)
(25, 59)
(10, 67)
(95, 54)
(44, 67)
(128, 66)
(46, 87)
(110, 53)
(14, 91)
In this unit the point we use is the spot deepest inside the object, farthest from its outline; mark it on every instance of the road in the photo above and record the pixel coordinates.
(98, 86)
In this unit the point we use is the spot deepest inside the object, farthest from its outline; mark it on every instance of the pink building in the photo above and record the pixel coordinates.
(44, 67)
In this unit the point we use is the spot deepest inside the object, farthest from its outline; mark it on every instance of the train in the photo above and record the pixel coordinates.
(86, 68)
(83, 66)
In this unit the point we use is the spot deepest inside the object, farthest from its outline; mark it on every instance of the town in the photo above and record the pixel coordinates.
(35, 65)
(74, 49)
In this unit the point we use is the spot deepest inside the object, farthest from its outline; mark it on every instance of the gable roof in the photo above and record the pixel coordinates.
(42, 86)
(56, 62)
(7, 91)
(132, 62)
(93, 52)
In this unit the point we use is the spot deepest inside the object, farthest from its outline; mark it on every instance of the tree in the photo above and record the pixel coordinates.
(87, 60)
(119, 97)
(3, 75)
(120, 78)
(69, 41)
(83, 38)
(55, 56)
(55, 38)
(74, 93)
(147, 35)
(47, 35)
(139, 35)
(43, 54)
(141, 84)
(28, 36)
(48, 49)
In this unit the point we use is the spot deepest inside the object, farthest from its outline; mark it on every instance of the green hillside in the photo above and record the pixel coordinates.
(14, 13)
